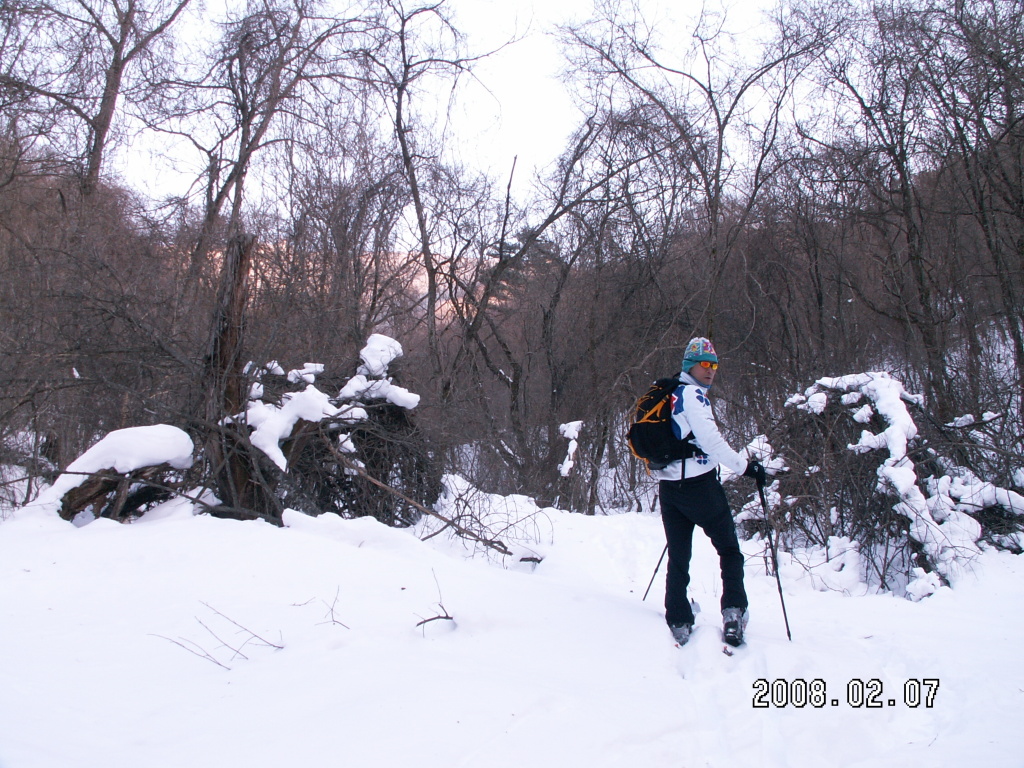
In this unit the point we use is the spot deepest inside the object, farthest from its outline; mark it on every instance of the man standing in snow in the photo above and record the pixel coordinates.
(692, 495)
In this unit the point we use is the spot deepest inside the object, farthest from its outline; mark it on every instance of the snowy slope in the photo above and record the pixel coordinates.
(562, 665)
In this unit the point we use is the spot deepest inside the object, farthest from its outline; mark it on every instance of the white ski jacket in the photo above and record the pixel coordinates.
(691, 413)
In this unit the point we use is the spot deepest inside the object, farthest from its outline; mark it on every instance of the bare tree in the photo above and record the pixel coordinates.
(421, 48)
(270, 67)
(975, 80)
(876, 77)
(66, 64)
(724, 110)
(337, 270)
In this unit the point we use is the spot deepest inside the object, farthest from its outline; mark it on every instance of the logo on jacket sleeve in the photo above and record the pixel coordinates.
(702, 398)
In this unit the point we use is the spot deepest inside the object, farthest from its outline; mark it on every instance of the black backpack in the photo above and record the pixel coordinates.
(651, 437)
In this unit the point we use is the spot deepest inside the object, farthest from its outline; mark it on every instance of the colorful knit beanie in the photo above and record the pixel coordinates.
(698, 349)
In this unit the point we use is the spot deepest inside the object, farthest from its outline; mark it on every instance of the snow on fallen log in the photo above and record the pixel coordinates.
(121, 452)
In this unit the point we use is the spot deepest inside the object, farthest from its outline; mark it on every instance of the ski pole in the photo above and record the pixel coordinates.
(656, 570)
(775, 559)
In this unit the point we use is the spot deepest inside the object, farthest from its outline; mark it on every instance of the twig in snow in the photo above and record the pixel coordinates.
(236, 651)
(330, 611)
(201, 653)
(252, 635)
(444, 615)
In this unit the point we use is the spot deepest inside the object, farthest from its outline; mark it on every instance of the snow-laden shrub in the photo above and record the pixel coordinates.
(862, 468)
(355, 453)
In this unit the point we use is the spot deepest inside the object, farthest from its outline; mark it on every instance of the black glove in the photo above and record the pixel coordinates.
(756, 471)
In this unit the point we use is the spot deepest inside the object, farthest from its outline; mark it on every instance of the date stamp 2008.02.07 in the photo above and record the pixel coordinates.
(868, 694)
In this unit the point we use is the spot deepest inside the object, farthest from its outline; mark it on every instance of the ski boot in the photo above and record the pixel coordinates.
(734, 621)
(682, 633)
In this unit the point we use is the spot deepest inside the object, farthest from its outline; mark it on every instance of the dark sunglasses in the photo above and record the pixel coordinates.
(708, 364)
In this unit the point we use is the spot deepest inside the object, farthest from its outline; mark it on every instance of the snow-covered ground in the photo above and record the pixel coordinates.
(184, 640)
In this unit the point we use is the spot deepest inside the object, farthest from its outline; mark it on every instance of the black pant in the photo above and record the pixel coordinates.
(685, 504)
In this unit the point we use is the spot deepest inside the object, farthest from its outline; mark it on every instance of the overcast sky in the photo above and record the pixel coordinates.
(526, 111)
(518, 107)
